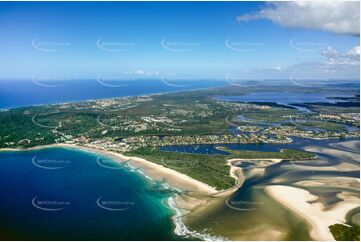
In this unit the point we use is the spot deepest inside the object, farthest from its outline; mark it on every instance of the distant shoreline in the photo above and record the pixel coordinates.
(110, 98)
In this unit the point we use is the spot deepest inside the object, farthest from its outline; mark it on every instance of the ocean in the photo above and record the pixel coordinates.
(69, 194)
(17, 93)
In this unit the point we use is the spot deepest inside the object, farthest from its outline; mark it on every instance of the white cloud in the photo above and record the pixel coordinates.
(339, 17)
(334, 65)
(336, 57)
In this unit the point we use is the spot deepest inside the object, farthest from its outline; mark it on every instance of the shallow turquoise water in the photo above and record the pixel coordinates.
(67, 194)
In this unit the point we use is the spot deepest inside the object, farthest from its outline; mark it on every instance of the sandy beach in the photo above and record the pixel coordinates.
(158, 172)
(298, 200)
(304, 203)
(198, 193)
(150, 169)
(201, 197)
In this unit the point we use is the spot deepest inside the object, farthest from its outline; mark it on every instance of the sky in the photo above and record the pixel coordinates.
(189, 40)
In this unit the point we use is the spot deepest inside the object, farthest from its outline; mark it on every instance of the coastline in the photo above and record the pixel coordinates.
(112, 98)
(197, 193)
(153, 170)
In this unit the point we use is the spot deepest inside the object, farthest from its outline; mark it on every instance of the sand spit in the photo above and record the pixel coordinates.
(298, 200)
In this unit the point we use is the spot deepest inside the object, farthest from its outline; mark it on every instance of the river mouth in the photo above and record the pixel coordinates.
(250, 213)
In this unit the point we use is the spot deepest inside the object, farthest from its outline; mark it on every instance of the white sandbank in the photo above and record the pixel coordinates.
(297, 200)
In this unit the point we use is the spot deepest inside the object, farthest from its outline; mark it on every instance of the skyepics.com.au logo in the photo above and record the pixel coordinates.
(174, 164)
(242, 46)
(37, 122)
(177, 80)
(49, 46)
(111, 164)
(179, 46)
(102, 121)
(114, 205)
(307, 46)
(244, 78)
(314, 75)
(49, 164)
(114, 46)
(241, 205)
(49, 81)
(114, 81)
(238, 118)
(49, 205)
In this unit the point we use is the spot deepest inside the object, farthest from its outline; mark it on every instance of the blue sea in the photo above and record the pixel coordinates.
(68, 194)
(17, 93)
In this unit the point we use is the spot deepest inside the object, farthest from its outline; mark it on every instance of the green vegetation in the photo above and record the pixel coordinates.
(17, 129)
(211, 169)
(328, 126)
(139, 125)
(267, 116)
(191, 113)
(345, 233)
(287, 154)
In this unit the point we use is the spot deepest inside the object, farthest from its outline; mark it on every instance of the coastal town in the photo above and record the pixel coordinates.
(130, 123)
(180, 120)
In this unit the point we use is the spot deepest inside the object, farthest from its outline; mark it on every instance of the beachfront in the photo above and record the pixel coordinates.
(200, 195)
